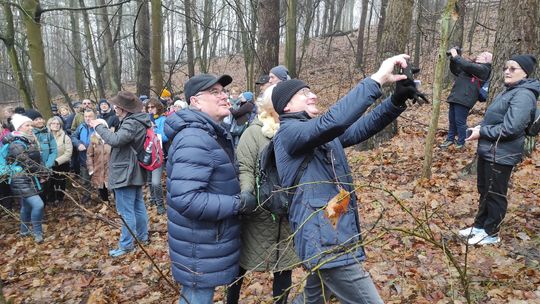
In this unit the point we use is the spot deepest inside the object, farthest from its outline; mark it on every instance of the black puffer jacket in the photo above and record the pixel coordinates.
(467, 83)
(24, 151)
(502, 132)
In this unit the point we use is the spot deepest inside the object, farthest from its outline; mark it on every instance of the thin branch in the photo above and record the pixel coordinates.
(83, 9)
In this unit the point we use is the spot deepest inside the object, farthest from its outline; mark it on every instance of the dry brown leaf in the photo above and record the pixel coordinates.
(337, 206)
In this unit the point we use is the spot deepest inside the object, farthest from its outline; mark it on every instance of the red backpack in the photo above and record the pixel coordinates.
(151, 157)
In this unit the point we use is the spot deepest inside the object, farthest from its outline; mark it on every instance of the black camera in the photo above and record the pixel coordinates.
(457, 48)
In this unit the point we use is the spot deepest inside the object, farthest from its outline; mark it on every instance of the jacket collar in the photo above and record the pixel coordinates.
(297, 115)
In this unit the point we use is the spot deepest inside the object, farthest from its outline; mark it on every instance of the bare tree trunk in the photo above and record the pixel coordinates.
(290, 38)
(473, 25)
(32, 18)
(418, 33)
(157, 33)
(9, 41)
(382, 20)
(268, 35)
(76, 52)
(91, 52)
(189, 39)
(361, 31)
(143, 54)
(449, 18)
(456, 37)
(113, 70)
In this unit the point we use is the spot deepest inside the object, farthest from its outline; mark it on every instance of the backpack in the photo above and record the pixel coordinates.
(270, 194)
(151, 157)
(7, 169)
(483, 88)
(534, 127)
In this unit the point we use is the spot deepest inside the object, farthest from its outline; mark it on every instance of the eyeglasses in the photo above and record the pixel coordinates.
(306, 92)
(151, 107)
(511, 69)
(214, 92)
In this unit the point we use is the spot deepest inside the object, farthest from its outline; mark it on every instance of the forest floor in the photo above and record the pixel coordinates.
(408, 225)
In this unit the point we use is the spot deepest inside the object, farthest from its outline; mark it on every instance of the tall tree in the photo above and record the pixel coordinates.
(456, 37)
(91, 51)
(449, 18)
(189, 38)
(143, 48)
(113, 70)
(76, 51)
(32, 20)
(8, 37)
(382, 20)
(268, 34)
(157, 33)
(290, 37)
(361, 31)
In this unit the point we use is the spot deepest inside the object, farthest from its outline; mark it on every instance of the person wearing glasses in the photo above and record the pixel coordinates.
(464, 93)
(331, 250)
(203, 192)
(500, 137)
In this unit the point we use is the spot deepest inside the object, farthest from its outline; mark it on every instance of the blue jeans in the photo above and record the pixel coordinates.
(156, 189)
(457, 122)
(32, 211)
(130, 205)
(350, 284)
(196, 295)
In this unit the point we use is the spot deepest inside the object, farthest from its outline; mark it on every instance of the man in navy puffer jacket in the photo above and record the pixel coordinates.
(332, 253)
(203, 192)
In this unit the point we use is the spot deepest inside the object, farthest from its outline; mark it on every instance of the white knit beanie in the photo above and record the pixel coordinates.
(17, 120)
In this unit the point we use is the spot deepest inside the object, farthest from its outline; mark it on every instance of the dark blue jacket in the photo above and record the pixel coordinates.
(202, 198)
(502, 132)
(316, 242)
(466, 87)
(82, 136)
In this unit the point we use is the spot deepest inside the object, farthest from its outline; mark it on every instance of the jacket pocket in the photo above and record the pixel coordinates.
(119, 172)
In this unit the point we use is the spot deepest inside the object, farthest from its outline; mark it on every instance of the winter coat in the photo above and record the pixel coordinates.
(261, 232)
(316, 242)
(502, 132)
(24, 151)
(466, 87)
(82, 136)
(203, 201)
(159, 128)
(126, 142)
(110, 117)
(68, 121)
(48, 146)
(64, 147)
(97, 161)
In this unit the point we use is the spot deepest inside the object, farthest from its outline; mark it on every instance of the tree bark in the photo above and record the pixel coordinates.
(189, 39)
(113, 70)
(455, 38)
(32, 18)
(91, 52)
(268, 35)
(361, 31)
(9, 41)
(143, 54)
(76, 52)
(380, 26)
(290, 38)
(157, 33)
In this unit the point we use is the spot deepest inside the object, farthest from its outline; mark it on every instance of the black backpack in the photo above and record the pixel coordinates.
(534, 127)
(270, 194)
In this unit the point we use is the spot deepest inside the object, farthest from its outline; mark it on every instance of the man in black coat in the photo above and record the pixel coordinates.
(465, 92)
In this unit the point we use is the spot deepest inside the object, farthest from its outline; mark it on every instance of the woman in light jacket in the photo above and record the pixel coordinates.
(98, 156)
(501, 136)
(61, 163)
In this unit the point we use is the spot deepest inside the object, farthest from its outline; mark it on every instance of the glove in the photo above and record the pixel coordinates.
(248, 203)
(405, 89)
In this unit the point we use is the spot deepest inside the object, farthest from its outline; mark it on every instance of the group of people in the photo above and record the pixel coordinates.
(217, 228)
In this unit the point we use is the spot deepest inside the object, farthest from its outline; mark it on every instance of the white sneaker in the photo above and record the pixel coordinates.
(469, 232)
(477, 238)
(490, 240)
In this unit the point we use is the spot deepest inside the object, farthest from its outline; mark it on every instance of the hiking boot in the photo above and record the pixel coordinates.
(490, 240)
(25, 234)
(477, 238)
(446, 144)
(38, 238)
(118, 252)
(470, 232)
(460, 146)
(161, 210)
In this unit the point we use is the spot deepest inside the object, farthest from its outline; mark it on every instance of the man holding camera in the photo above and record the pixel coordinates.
(465, 92)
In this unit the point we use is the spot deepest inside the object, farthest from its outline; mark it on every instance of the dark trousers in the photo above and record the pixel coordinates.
(492, 185)
(104, 194)
(457, 122)
(280, 289)
(57, 182)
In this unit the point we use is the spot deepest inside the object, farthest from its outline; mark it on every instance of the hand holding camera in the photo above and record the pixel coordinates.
(472, 133)
(407, 88)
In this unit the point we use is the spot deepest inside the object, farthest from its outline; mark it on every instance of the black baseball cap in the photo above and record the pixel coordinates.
(203, 82)
(262, 79)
